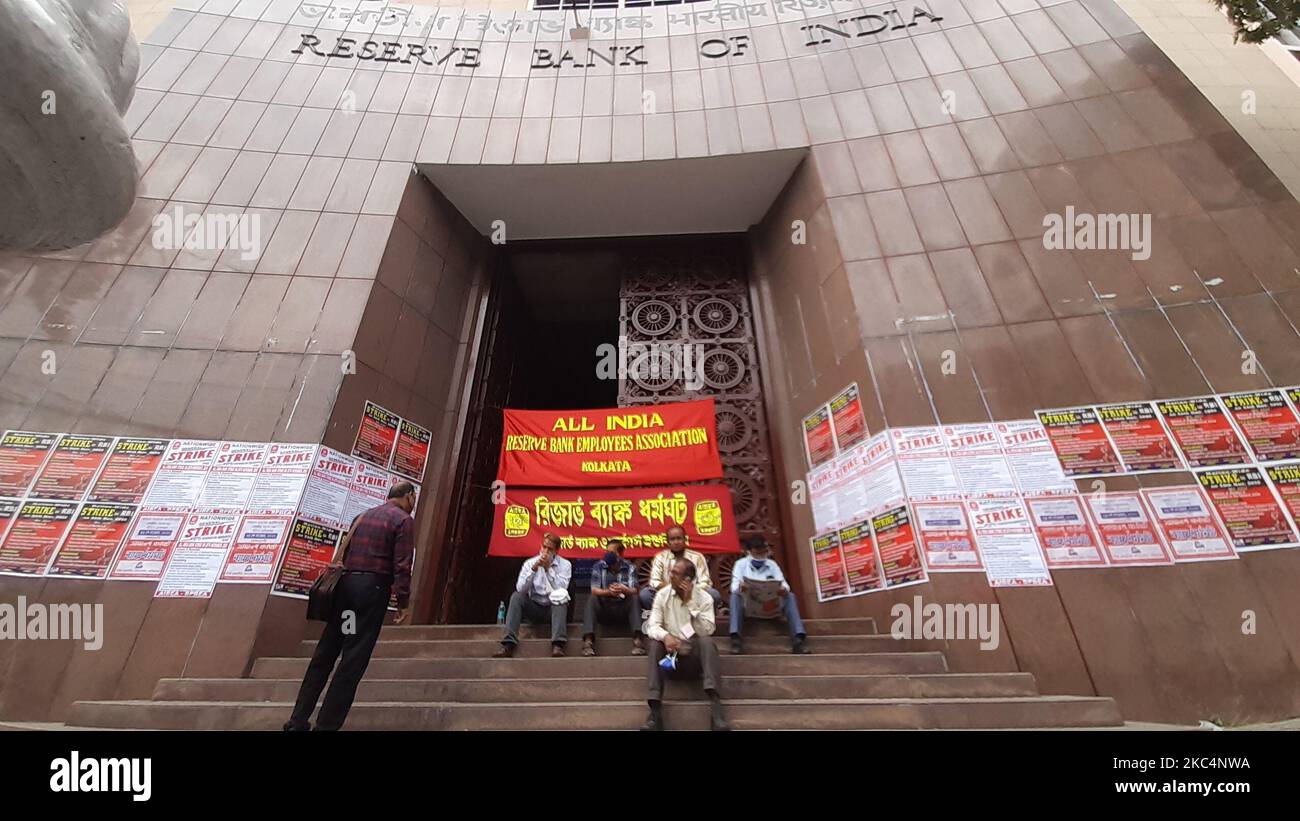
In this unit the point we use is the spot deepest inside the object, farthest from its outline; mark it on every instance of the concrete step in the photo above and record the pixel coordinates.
(622, 688)
(492, 632)
(744, 714)
(576, 666)
(538, 648)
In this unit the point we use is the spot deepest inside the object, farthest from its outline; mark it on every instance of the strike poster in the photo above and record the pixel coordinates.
(369, 489)
(128, 471)
(325, 498)
(1007, 543)
(922, 455)
(148, 546)
(976, 453)
(828, 559)
(1080, 442)
(1285, 479)
(1247, 507)
(825, 515)
(1189, 526)
(281, 480)
(195, 563)
(1139, 437)
(72, 466)
(230, 481)
(1203, 432)
(847, 487)
(946, 537)
(847, 418)
(1032, 458)
(8, 510)
(881, 482)
(180, 477)
(1267, 422)
(412, 451)
(611, 447)
(256, 550)
(92, 541)
(900, 557)
(377, 435)
(818, 436)
(1127, 534)
(1064, 532)
(22, 454)
(861, 560)
(34, 535)
(308, 552)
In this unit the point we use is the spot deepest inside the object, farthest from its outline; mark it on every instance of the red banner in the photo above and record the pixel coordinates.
(611, 447)
(585, 519)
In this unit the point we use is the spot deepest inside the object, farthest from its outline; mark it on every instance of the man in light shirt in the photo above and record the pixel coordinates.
(663, 563)
(758, 566)
(680, 630)
(538, 599)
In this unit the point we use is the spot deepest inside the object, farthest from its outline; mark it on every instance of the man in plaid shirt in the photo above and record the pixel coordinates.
(613, 599)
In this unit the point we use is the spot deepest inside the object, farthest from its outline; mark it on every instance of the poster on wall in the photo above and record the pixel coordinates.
(847, 487)
(818, 436)
(180, 477)
(93, 539)
(1268, 423)
(900, 556)
(1127, 534)
(923, 463)
(861, 560)
(1032, 458)
(847, 418)
(377, 435)
(308, 552)
(369, 489)
(1285, 479)
(411, 453)
(230, 480)
(281, 480)
(1248, 508)
(1139, 437)
(824, 513)
(8, 510)
(128, 470)
(195, 563)
(881, 481)
(1190, 528)
(1080, 442)
(325, 497)
(1203, 432)
(22, 455)
(148, 545)
(1063, 531)
(34, 534)
(256, 550)
(982, 467)
(1007, 543)
(946, 537)
(72, 466)
(828, 559)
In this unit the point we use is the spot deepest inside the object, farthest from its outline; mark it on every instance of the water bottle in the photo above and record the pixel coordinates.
(501, 613)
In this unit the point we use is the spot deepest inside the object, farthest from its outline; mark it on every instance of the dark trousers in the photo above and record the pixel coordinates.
(523, 607)
(608, 610)
(703, 661)
(360, 604)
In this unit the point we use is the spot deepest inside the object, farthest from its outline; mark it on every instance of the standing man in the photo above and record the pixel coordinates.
(541, 594)
(663, 563)
(758, 565)
(376, 561)
(613, 598)
(681, 633)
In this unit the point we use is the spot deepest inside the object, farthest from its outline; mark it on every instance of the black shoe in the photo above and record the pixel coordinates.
(799, 648)
(507, 650)
(291, 727)
(655, 723)
(737, 647)
(716, 722)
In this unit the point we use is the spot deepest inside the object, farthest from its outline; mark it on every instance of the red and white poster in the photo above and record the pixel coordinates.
(923, 463)
(282, 479)
(1248, 508)
(1032, 458)
(1203, 432)
(180, 477)
(369, 489)
(1268, 423)
(325, 499)
(8, 510)
(946, 537)
(148, 545)
(1063, 531)
(308, 553)
(982, 467)
(128, 470)
(1127, 533)
(92, 542)
(1080, 442)
(847, 487)
(825, 516)
(818, 436)
(199, 556)
(34, 534)
(861, 561)
(1190, 528)
(411, 453)
(828, 559)
(1285, 479)
(231, 478)
(377, 435)
(900, 555)
(256, 550)
(848, 419)
(880, 478)
(22, 454)
(71, 468)
(1139, 437)
(1007, 543)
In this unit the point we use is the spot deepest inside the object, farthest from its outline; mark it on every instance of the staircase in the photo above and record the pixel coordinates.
(441, 677)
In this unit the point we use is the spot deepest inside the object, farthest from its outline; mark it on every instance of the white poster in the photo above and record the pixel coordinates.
(198, 558)
(325, 498)
(881, 482)
(1190, 528)
(824, 514)
(232, 477)
(922, 454)
(848, 486)
(1127, 533)
(180, 477)
(369, 489)
(1007, 543)
(976, 453)
(148, 544)
(256, 550)
(946, 537)
(1033, 460)
(281, 480)
(1064, 531)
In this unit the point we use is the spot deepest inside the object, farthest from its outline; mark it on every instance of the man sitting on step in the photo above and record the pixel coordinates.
(613, 598)
(663, 562)
(541, 594)
(680, 629)
(759, 566)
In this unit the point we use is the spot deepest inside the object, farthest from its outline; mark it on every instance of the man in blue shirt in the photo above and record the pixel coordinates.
(758, 565)
(613, 599)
